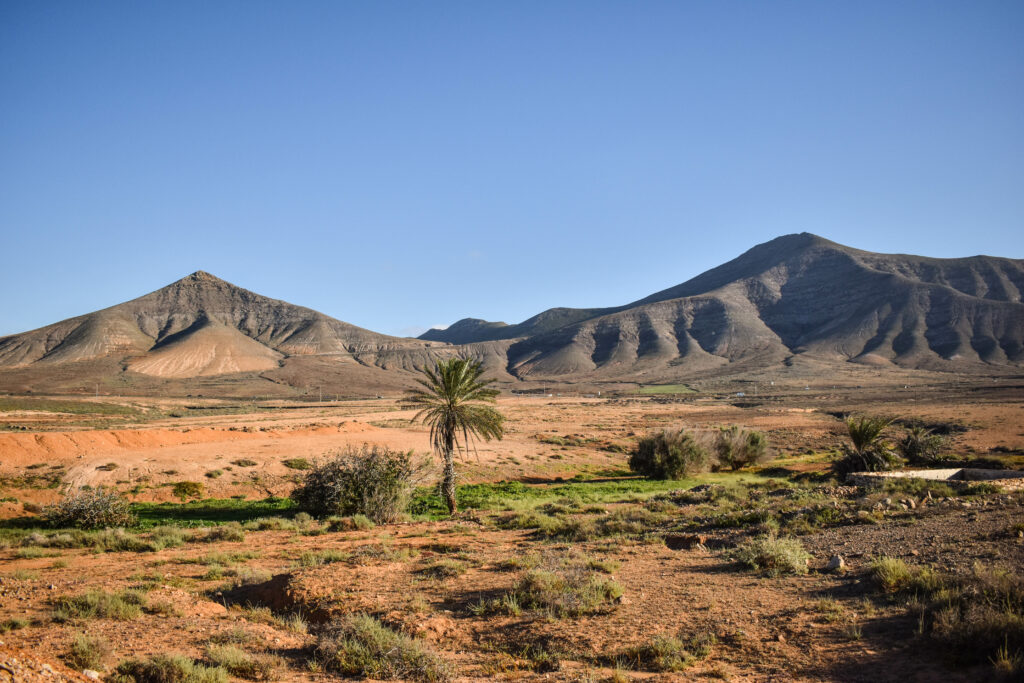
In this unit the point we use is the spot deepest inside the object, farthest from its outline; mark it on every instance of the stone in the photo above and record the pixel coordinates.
(89, 673)
(835, 563)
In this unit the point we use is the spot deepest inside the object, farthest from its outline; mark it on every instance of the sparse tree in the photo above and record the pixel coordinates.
(453, 403)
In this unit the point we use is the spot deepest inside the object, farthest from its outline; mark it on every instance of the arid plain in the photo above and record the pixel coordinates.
(554, 492)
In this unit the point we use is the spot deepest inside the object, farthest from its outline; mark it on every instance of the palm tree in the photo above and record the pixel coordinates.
(451, 401)
(921, 446)
(869, 451)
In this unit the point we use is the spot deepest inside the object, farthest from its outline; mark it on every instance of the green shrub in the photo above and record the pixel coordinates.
(736, 447)
(169, 669)
(773, 556)
(187, 489)
(244, 462)
(297, 464)
(359, 645)
(372, 480)
(89, 509)
(670, 454)
(87, 652)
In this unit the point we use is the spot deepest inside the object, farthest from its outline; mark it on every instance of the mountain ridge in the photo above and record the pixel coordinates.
(797, 297)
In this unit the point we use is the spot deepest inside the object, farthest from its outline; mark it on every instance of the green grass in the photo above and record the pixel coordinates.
(513, 495)
(211, 511)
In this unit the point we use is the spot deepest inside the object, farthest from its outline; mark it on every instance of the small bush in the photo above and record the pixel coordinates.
(372, 480)
(184, 490)
(921, 446)
(444, 569)
(89, 509)
(97, 604)
(569, 590)
(670, 654)
(297, 464)
(359, 645)
(238, 662)
(232, 532)
(896, 576)
(737, 447)
(169, 669)
(244, 462)
(774, 556)
(670, 454)
(14, 624)
(87, 652)
(316, 559)
(353, 523)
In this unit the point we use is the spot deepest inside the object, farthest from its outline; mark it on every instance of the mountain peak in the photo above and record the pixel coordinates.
(201, 276)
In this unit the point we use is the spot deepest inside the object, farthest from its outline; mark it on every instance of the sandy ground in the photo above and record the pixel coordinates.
(546, 437)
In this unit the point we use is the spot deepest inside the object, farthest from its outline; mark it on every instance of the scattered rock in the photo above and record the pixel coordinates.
(835, 563)
(89, 673)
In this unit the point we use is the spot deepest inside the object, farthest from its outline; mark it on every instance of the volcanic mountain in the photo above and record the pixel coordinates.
(795, 296)
(798, 305)
(202, 327)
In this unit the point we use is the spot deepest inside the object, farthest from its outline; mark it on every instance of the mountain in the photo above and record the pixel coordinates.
(199, 326)
(800, 294)
(795, 295)
(799, 305)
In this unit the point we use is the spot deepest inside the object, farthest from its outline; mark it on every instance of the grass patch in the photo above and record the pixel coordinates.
(513, 495)
(445, 568)
(14, 624)
(238, 662)
(297, 463)
(211, 511)
(98, 604)
(169, 669)
(668, 654)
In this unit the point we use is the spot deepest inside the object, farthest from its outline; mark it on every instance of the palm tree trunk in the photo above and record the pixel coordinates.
(448, 484)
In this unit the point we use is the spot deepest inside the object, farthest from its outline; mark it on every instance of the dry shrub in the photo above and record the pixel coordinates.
(371, 480)
(89, 509)
(737, 447)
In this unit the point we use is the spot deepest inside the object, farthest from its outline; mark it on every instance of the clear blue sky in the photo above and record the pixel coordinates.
(405, 164)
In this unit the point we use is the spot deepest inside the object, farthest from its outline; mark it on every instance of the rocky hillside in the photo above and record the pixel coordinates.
(797, 294)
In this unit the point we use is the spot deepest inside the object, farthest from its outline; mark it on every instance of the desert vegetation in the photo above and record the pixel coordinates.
(754, 556)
